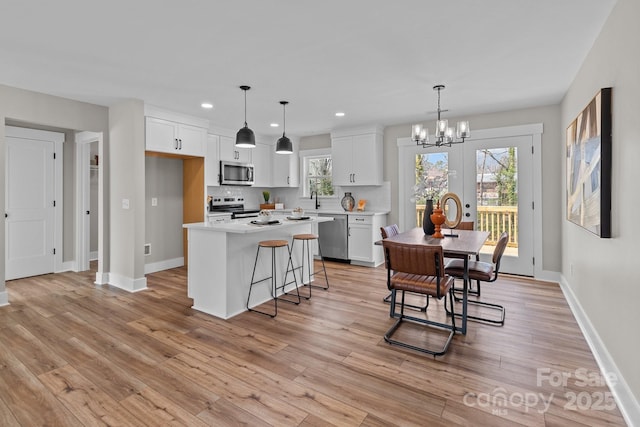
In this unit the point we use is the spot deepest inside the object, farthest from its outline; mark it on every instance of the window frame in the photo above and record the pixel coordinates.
(314, 154)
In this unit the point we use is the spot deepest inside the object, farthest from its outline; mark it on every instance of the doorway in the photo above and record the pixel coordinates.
(494, 175)
(33, 202)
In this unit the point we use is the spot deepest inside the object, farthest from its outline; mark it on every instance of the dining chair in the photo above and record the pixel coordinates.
(482, 272)
(469, 226)
(394, 230)
(418, 269)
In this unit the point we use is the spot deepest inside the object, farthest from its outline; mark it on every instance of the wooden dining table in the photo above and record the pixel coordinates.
(463, 244)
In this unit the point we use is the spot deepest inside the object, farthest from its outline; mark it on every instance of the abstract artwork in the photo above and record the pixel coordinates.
(588, 157)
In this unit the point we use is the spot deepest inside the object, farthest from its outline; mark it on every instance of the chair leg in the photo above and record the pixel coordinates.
(422, 308)
(498, 322)
(402, 318)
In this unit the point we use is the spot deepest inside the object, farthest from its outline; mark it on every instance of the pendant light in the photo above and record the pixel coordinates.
(284, 145)
(245, 137)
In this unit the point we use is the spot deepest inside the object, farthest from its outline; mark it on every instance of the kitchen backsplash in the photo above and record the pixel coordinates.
(378, 197)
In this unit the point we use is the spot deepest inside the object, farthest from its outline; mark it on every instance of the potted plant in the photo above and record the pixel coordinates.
(266, 205)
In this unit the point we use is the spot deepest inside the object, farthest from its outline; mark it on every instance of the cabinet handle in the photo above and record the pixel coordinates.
(354, 177)
(288, 181)
(349, 231)
(180, 141)
(176, 141)
(359, 219)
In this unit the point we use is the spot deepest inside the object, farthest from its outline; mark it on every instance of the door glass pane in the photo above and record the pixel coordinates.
(432, 180)
(497, 196)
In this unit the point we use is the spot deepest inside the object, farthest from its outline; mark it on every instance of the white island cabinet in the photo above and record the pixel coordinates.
(221, 260)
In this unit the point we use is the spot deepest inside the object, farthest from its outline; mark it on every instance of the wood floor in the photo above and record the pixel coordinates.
(76, 354)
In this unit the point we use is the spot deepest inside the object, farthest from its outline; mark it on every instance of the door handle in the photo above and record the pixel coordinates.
(467, 214)
(88, 212)
(467, 206)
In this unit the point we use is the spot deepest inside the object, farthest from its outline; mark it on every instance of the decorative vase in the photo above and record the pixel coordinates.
(427, 225)
(347, 202)
(438, 218)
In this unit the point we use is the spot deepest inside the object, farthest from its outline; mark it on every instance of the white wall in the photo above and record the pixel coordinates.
(126, 130)
(603, 273)
(163, 223)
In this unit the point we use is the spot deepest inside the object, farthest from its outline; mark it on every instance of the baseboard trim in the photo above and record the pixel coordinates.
(163, 265)
(4, 298)
(93, 256)
(622, 393)
(128, 284)
(102, 278)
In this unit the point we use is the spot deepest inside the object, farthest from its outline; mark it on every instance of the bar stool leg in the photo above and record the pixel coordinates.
(324, 269)
(274, 287)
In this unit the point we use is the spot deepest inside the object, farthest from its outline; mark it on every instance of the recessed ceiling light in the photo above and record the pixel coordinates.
(274, 125)
(339, 114)
(207, 105)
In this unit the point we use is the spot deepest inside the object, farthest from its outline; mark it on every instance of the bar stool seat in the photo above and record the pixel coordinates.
(273, 245)
(305, 238)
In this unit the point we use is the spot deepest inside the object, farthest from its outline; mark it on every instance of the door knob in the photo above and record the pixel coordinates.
(467, 206)
(467, 214)
(88, 212)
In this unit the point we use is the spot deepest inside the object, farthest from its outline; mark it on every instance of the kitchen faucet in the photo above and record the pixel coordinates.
(317, 203)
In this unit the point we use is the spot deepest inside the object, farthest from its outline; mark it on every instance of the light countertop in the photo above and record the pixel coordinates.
(333, 212)
(244, 225)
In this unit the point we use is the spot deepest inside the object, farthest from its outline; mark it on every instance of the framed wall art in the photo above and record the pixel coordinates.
(588, 157)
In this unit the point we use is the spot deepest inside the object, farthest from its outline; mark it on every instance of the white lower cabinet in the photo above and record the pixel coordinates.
(364, 231)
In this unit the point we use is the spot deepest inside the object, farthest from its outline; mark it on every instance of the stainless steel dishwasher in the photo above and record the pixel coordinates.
(333, 237)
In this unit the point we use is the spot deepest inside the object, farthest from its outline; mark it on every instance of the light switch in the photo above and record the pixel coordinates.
(154, 201)
(125, 203)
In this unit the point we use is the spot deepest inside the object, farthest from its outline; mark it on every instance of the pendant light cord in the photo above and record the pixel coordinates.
(245, 107)
(284, 118)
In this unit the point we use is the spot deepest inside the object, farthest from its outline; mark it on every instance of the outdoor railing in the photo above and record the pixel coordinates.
(494, 219)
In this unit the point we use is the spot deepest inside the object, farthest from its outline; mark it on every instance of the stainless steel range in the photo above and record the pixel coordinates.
(223, 206)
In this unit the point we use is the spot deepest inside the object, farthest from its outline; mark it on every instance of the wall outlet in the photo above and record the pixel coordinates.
(125, 203)
(147, 248)
(154, 201)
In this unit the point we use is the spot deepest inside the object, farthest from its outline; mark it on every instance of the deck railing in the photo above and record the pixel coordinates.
(494, 219)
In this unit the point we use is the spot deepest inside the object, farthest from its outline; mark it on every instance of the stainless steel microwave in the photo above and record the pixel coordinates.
(234, 173)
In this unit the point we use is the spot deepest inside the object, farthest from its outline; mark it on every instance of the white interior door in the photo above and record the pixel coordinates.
(29, 204)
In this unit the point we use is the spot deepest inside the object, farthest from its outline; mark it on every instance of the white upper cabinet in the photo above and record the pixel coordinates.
(229, 152)
(262, 165)
(286, 168)
(212, 161)
(167, 136)
(356, 157)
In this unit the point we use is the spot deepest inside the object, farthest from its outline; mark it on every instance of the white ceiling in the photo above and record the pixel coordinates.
(376, 60)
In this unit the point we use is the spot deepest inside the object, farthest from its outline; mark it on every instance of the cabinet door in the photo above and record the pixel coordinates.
(341, 160)
(161, 135)
(212, 161)
(229, 152)
(285, 170)
(191, 140)
(360, 245)
(367, 156)
(262, 165)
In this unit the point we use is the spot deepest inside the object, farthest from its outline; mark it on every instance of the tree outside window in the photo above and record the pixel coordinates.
(318, 175)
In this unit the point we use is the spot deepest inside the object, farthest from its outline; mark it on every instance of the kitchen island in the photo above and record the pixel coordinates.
(222, 256)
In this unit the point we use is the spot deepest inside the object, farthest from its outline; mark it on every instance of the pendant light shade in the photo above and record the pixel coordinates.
(245, 137)
(284, 145)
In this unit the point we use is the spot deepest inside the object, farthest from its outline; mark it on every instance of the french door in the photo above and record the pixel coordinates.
(493, 178)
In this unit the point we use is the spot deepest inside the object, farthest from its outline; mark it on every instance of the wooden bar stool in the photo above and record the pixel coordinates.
(305, 239)
(273, 245)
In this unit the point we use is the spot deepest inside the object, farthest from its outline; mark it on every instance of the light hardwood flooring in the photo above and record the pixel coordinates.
(76, 354)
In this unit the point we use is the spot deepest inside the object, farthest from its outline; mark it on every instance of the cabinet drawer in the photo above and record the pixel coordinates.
(360, 219)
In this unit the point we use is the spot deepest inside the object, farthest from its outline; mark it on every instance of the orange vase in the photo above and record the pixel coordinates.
(438, 218)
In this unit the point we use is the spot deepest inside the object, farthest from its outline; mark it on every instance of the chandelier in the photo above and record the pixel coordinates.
(444, 135)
